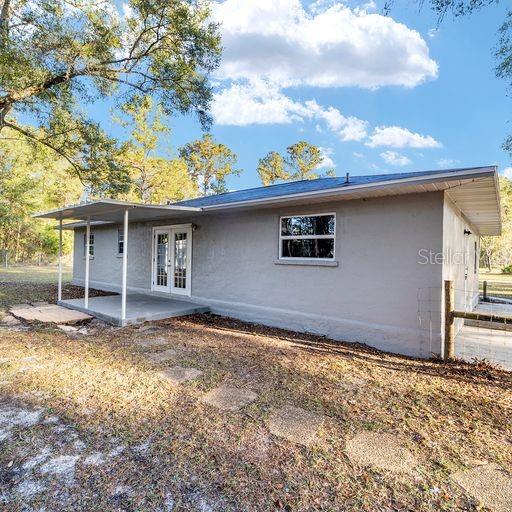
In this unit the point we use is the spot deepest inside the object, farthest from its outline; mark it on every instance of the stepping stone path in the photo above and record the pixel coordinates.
(152, 342)
(179, 374)
(488, 484)
(295, 424)
(161, 357)
(229, 398)
(380, 450)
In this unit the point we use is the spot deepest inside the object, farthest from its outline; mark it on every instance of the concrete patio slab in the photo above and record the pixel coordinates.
(382, 451)
(161, 357)
(478, 342)
(295, 424)
(229, 398)
(139, 308)
(50, 314)
(488, 484)
(179, 374)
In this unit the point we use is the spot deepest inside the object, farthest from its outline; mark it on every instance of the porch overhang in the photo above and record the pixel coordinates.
(112, 211)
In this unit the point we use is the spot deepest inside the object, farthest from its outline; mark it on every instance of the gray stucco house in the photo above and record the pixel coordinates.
(357, 259)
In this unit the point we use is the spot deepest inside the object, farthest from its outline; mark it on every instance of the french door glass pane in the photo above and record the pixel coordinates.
(162, 250)
(180, 260)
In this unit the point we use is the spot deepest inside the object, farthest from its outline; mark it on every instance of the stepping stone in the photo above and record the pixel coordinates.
(152, 342)
(295, 424)
(179, 374)
(19, 306)
(10, 320)
(161, 357)
(488, 484)
(229, 399)
(67, 328)
(380, 450)
(50, 314)
(148, 328)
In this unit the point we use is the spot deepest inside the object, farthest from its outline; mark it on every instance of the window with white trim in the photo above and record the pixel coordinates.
(91, 244)
(120, 241)
(310, 237)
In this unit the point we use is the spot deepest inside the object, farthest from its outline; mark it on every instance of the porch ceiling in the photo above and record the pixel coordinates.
(110, 210)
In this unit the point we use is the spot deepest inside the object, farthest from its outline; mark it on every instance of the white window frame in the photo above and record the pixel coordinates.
(306, 237)
(120, 239)
(91, 245)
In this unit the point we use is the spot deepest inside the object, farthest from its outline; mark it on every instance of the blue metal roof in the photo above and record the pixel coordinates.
(299, 187)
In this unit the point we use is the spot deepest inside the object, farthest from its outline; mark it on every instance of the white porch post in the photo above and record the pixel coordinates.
(59, 293)
(125, 265)
(87, 260)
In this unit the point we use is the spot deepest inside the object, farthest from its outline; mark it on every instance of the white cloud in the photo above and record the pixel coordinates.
(260, 102)
(357, 155)
(397, 137)
(327, 162)
(432, 33)
(394, 158)
(329, 46)
(347, 128)
(255, 103)
(447, 162)
(507, 173)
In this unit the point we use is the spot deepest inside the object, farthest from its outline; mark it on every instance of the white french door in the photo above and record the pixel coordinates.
(172, 260)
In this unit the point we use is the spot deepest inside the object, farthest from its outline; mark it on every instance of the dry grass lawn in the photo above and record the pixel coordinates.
(498, 285)
(88, 424)
(450, 417)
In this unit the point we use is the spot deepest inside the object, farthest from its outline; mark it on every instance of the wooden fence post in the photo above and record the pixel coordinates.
(485, 291)
(449, 327)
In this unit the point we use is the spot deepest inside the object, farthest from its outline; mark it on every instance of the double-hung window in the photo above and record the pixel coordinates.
(307, 237)
(91, 244)
(120, 241)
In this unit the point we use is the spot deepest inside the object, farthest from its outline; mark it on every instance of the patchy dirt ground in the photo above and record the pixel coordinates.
(88, 422)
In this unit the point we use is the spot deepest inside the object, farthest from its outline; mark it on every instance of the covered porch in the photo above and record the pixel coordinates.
(124, 308)
(139, 308)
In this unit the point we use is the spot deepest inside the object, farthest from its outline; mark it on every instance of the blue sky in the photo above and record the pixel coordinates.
(377, 94)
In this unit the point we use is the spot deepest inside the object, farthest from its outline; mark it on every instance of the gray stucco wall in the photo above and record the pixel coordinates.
(459, 252)
(372, 296)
